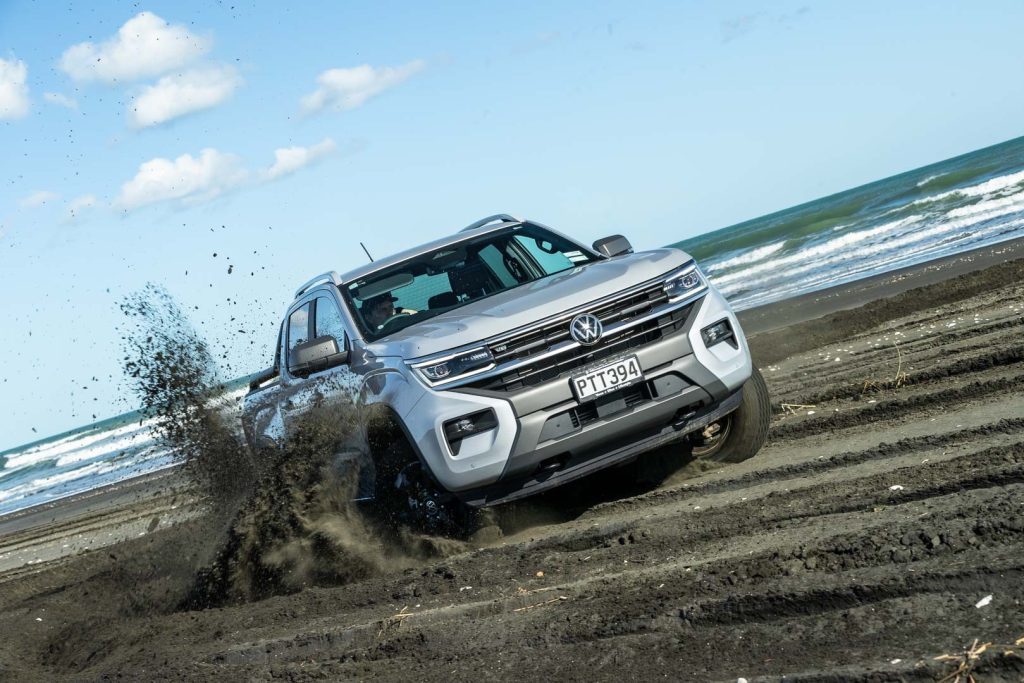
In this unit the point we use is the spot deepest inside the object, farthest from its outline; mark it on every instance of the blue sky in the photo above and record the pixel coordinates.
(137, 140)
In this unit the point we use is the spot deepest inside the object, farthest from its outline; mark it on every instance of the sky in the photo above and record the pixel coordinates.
(229, 151)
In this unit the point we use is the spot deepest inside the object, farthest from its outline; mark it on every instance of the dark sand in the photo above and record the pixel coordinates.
(99, 500)
(756, 323)
(888, 503)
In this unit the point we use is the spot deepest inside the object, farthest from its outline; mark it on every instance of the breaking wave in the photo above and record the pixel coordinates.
(752, 256)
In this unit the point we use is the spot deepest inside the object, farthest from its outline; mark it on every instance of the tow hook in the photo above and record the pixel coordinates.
(682, 420)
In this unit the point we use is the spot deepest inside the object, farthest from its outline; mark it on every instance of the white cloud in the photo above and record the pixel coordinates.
(346, 89)
(190, 179)
(290, 159)
(38, 198)
(60, 100)
(13, 91)
(79, 205)
(144, 46)
(187, 178)
(184, 93)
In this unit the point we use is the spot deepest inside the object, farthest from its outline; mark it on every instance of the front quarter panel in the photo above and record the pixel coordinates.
(481, 459)
(732, 366)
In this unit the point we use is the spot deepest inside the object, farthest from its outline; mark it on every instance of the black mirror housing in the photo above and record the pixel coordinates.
(616, 245)
(316, 355)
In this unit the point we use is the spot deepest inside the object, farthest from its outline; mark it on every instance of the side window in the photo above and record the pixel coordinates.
(298, 328)
(548, 256)
(328, 321)
(494, 260)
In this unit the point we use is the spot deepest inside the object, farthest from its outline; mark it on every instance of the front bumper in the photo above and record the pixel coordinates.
(545, 437)
(606, 446)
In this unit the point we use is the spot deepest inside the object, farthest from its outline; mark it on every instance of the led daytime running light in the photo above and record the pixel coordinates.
(456, 365)
(680, 284)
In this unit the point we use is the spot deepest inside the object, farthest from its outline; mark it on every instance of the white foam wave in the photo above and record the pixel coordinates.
(751, 256)
(965, 239)
(132, 442)
(76, 441)
(994, 207)
(818, 252)
(811, 258)
(930, 178)
(990, 186)
(91, 475)
(39, 483)
(824, 255)
(779, 285)
(54, 451)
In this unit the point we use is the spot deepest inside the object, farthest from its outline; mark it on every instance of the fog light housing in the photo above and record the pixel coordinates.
(469, 425)
(717, 333)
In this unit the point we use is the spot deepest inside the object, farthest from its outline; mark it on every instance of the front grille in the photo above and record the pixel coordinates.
(519, 345)
(587, 413)
(525, 345)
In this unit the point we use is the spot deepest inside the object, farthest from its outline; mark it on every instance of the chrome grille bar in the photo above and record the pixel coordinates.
(548, 338)
(570, 345)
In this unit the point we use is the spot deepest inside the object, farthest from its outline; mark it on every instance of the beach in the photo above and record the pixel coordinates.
(881, 528)
(828, 255)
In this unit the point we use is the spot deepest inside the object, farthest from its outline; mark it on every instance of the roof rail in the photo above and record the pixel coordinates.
(503, 217)
(331, 276)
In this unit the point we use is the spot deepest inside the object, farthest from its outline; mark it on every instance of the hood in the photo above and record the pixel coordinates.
(527, 304)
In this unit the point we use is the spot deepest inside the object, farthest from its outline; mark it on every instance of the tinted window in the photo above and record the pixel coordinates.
(547, 255)
(417, 296)
(328, 321)
(436, 282)
(496, 262)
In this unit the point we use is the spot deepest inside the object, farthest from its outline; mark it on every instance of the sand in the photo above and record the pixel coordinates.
(861, 543)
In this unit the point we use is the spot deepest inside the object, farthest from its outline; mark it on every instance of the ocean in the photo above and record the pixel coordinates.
(949, 207)
(88, 457)
(955, 205)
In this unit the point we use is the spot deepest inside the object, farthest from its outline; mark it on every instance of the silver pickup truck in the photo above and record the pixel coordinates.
(509, 359)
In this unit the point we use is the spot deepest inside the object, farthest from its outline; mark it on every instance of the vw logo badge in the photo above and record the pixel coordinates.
(586, 329)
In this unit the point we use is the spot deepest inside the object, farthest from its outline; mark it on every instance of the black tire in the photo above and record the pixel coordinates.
(405, 496)
(391, 503)
(745, 430)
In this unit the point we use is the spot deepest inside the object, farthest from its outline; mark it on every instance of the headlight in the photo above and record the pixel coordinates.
(684, 282)
(449, 367)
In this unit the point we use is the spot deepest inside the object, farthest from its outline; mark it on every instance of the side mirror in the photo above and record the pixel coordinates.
(316, 355)
(616, 245)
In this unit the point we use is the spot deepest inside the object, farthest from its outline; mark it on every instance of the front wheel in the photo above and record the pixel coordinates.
(406, 496)
(739, 435)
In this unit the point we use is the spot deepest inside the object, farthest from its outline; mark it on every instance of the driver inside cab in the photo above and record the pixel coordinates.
(381, 308)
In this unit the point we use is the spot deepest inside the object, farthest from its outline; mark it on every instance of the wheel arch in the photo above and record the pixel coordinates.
(385, 428)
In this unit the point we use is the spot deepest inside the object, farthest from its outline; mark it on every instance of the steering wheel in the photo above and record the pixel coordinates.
(396, 316)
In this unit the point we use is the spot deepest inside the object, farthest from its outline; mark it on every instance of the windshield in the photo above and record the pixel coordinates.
(439, 281)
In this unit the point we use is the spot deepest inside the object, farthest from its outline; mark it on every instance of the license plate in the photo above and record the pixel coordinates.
(607, 378)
